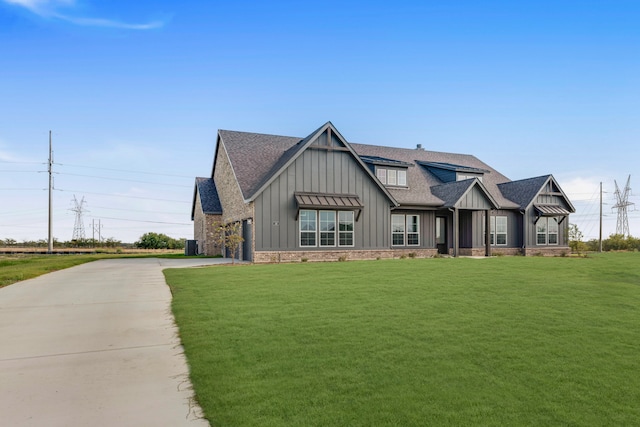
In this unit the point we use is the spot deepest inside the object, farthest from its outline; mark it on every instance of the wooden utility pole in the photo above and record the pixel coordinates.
(50, 248)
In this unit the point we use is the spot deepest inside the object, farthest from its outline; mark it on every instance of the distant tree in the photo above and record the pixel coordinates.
(228, 236)
(10, 242)
(158, 241)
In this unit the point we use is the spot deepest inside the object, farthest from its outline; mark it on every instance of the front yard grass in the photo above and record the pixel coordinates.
(500, 341)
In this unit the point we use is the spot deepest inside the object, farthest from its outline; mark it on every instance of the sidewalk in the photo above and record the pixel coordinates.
(95, 345)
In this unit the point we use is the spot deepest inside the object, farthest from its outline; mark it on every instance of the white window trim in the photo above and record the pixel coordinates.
(307, 231)
(318, 232)
(335, 217)
(381, 173)
(493, 236)
(352, 232)
(547, 232)
(405, 231)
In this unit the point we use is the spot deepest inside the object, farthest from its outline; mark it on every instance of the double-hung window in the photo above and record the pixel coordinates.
(319, 228)
(498, 235)
(327, 228)
(382, 175)
(308, 228)
(405, 230)
(547, 231)
(345, 228)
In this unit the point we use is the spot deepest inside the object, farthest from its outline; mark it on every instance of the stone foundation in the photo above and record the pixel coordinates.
(340, 255)
(548, 251)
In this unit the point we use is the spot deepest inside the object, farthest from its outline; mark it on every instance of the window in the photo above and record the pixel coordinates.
(547, 231)
(402, 178)
(327, 228)
(307, 228)
(345, 230)
(498, 235)
(413, 230)
(552, 225)
(405, 228)
(391, 177)
(397, 230)
(318, 228)
(395, 177)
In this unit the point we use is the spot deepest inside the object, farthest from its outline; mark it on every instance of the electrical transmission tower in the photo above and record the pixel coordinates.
(622, 203)
(78, 227)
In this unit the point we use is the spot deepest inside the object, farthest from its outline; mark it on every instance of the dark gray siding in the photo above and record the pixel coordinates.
(474, 199)
(427, 227)
(443, 174)
(325, 171)
(514, 225)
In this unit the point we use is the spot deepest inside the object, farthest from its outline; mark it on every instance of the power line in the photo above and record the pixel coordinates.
(125, 180)
(147, 221)
(127, 197)
(124, 170)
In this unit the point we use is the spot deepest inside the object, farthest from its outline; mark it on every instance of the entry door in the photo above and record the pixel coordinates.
(247, 235)
(441, 235)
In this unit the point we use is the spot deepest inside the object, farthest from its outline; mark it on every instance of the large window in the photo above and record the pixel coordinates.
(498, 235)
(547, 231)
(345, 230)
(308, 228)
(318, 228)
(405, 228)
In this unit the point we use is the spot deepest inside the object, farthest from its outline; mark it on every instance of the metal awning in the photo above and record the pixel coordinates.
(342, 202)
(551, 210)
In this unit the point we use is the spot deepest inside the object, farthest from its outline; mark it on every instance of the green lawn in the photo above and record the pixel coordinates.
(500, 341)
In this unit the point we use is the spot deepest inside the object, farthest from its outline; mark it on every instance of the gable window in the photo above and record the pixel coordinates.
(382, 175)
(308, 228)
(319, 228)
(405, 228)
(345, 228)
(547, 231)
(498, 235)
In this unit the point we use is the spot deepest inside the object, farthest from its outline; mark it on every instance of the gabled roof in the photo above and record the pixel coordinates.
(258, 159)
(452, 192)
(209, 199)
(524, 191)
(420, 180)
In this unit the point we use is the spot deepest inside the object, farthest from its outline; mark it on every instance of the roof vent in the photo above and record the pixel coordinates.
(419, 147)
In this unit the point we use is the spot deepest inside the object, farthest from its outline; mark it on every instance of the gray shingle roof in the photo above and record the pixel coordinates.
(208, 196)
(522, 192)
(256, 157)
(451, 192)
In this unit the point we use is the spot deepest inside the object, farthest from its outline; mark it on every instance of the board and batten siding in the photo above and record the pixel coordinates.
(322, 171)
(514, 227)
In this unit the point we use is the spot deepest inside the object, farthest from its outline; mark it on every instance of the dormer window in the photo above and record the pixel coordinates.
(448, 172)
(392, 177)
(390, 172)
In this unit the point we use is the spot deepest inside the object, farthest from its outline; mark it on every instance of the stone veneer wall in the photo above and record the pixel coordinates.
(548, 251)
(234, 207)
(339, 255)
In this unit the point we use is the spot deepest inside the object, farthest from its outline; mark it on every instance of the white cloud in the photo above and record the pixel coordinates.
(50, 9)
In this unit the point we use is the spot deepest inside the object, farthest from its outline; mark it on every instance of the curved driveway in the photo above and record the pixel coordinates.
(95, 345)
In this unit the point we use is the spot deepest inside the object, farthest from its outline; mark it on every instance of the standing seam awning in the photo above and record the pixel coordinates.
(345, 202)
(550, 210)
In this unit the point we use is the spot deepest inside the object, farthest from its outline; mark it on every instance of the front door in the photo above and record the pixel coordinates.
(441, 235)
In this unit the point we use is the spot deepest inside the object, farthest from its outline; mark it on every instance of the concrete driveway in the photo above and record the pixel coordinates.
(95, 345)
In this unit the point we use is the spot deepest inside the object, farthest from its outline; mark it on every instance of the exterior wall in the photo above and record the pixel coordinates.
(234, 207)
(514, 227)
(530, 230)
(339, 255)
(324, 171)
(202, 229)
(427, 229)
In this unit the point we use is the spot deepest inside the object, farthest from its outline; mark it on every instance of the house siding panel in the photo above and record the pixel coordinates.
(310, 172)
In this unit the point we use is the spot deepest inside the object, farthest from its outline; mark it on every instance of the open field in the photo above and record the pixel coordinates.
(23, 266)
(500, 341)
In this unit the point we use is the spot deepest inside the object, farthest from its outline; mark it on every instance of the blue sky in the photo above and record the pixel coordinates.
(135, 91)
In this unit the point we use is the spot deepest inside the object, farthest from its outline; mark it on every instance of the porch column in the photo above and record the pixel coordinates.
(456, 232)
(487, 237)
